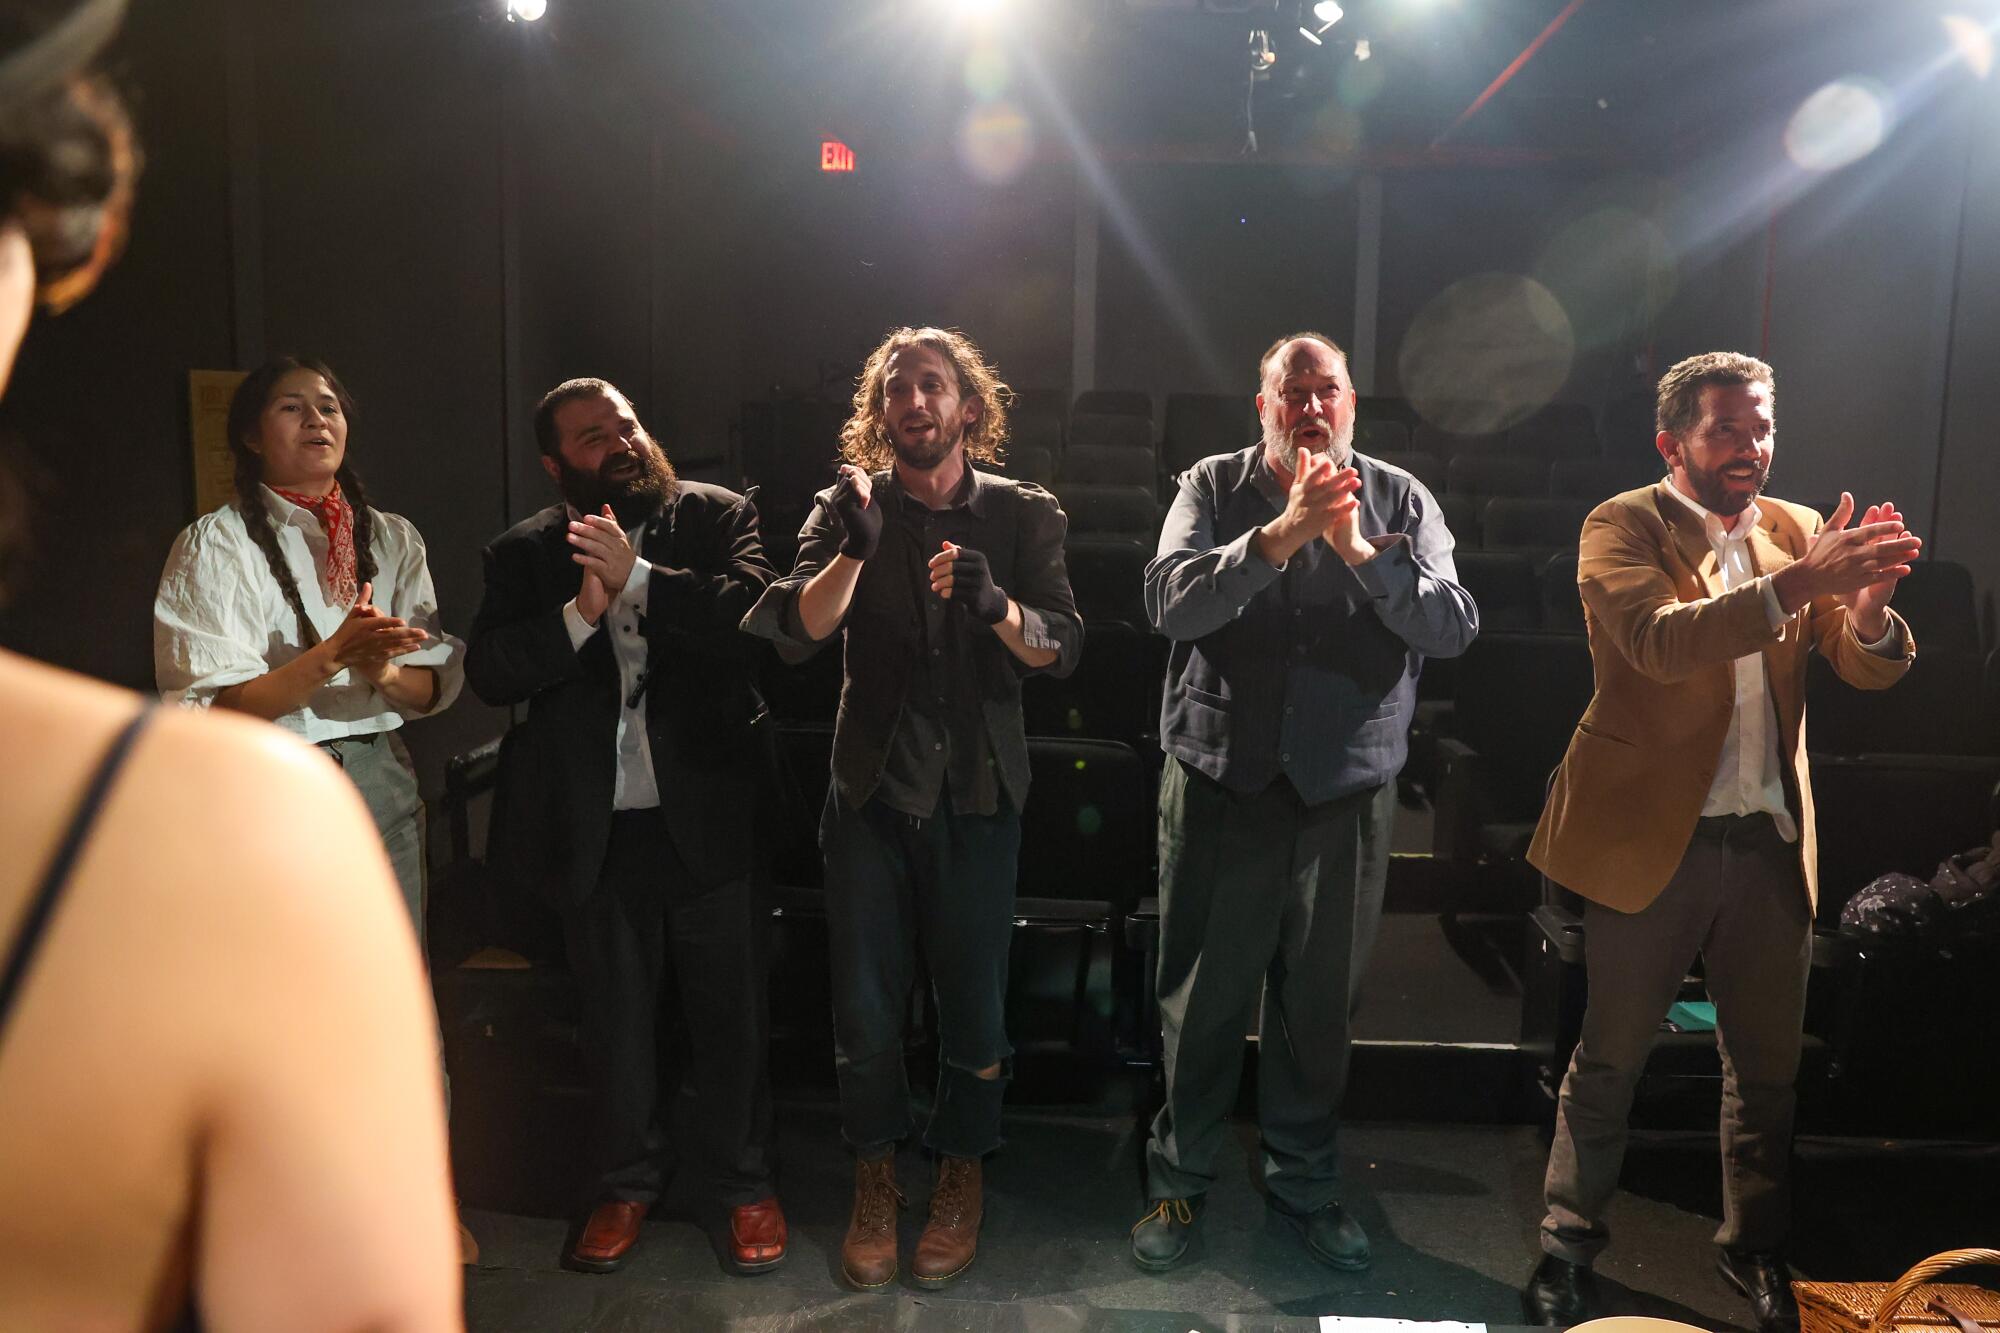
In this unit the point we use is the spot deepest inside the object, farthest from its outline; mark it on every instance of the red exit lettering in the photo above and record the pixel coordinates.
(835, 156)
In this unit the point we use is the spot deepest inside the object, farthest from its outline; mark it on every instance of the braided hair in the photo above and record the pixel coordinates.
(246, 409)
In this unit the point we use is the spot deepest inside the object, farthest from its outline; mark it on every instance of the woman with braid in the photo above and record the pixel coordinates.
(300, 604)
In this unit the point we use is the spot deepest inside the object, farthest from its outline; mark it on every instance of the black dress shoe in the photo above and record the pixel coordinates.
(1161, 1238)
(1559, 1293)
(1766, 1282)
(1331, 1236)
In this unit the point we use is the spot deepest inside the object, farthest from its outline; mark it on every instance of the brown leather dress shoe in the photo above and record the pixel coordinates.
(757, 1236)
(868, 1255)
(607, 1237)
(951, 1238)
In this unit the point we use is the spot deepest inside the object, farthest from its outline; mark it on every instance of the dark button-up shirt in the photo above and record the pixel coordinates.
(931, 699)
(1309, 670)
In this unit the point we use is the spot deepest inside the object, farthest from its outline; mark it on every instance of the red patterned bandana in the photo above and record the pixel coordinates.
(336, 520)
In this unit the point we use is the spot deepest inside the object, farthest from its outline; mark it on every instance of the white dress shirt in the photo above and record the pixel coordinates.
(220, 619)
(635, 788)
(1748, 778)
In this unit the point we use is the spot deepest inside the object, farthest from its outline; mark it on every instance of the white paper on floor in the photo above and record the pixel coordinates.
(1340, 1323)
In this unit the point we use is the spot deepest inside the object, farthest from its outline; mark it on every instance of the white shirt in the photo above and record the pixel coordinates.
(635, 787)
(1748, 778)
(220, 618)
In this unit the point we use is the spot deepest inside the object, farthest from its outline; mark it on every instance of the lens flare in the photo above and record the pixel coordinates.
(1486, 352)
(987, 72)
(1839, 125)
(995, 141)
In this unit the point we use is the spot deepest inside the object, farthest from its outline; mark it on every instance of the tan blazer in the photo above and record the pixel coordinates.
(1663, 638)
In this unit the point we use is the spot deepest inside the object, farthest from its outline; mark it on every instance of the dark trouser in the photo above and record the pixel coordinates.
(648, 918)
(892, 883)
(1738, 901)
(379, 765)
(1261, 895)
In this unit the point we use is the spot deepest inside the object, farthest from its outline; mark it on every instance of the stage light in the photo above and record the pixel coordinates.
(1311, 36)
(527, 11)
(1973, 42)
(1327, 12)
(1361, 51)
(976, 8)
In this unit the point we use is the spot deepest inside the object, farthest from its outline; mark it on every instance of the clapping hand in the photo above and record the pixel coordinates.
(859, 518)
(603, 549)
(369, 641)
(960, 574)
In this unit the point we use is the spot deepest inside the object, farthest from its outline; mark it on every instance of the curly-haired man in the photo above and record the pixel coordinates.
(949, 585)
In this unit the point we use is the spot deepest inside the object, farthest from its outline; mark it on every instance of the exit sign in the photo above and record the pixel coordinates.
(835, 156)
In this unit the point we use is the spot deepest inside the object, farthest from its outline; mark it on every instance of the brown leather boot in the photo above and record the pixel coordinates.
(868, 1255)
(951, 1237)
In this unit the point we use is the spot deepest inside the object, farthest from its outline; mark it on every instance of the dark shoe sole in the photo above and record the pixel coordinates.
(753, 1269)
(577, 1264)
(1297, 1226)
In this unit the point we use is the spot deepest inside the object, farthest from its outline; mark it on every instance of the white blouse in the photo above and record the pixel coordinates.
(220, 618)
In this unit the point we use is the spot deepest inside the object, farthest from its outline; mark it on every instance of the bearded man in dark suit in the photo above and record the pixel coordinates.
(626, 796)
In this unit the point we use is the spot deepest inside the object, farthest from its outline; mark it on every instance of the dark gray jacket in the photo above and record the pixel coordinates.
(1310, 671)
(1019, 528)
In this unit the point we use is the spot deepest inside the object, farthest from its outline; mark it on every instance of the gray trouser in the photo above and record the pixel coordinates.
(1261, 895)
(379, 765)
(1736, 899)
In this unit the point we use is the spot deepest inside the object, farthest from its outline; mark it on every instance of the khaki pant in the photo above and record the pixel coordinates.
(1738, 900)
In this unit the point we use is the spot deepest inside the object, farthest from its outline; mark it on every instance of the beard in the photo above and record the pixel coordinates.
(1339, 443)
(924, 455)
(634, 496)
(1711, 490)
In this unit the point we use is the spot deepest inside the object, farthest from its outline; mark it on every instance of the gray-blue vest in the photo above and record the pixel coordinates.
(1310, 671)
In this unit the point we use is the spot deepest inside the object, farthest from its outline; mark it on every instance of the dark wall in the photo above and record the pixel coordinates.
(458, 213)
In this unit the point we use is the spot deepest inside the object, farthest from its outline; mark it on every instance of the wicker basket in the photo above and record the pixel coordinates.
(1905, 1304)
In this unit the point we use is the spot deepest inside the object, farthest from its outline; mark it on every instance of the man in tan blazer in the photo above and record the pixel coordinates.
(1683, 814)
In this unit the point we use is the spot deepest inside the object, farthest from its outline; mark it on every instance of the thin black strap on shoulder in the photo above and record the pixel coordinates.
(42, 906)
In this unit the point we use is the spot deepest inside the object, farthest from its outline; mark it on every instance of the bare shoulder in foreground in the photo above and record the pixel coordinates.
(220, 1068)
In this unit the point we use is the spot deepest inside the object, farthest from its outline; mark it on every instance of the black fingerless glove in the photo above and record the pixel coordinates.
(973, 588)
(861, 521)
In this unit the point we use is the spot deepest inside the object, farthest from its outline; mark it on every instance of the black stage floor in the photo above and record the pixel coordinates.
(1452, 1210)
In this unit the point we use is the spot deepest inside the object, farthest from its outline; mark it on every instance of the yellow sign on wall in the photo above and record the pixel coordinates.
(209, 392)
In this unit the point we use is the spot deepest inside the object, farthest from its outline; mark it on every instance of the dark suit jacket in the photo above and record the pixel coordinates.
(552, 804)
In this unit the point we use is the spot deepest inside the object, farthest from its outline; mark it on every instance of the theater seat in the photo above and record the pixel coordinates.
(1519, 697)
(1086, 857)
(1107, 575)
(1562, 600)
(1427, 468)
(1110, 509)
(1541, 526)
(1113, 402)
(1114, 693)
(1488, 475)
(1199, 425)
(1030, 462)
(1376, 438)
(1938, 600)
(1504, 586)
(1940, 707)
(1109, 465)
(1560, 430)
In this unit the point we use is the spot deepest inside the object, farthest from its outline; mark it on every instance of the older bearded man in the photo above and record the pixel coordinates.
(1302, 585)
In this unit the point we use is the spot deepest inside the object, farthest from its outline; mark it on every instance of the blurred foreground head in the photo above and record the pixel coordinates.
(68, 164)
